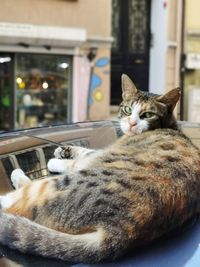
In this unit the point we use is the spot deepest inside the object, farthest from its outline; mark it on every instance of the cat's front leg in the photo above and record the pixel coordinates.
(56, 165)
(69, 158)
(19, 179)
(71, 152)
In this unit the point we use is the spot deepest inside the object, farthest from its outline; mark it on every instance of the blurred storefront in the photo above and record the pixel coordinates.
(41, 94)
(54, 62)
(57, 58)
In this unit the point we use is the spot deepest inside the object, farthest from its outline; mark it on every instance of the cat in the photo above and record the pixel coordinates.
(109, 201)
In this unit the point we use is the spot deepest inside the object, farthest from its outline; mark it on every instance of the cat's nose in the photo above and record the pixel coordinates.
(131, 122)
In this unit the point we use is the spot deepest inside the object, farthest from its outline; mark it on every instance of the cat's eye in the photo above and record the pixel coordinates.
(147, 115)
(127, 109)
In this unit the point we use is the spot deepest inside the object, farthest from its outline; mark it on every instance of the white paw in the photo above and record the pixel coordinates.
(58, 153)
(6, 201)
(18, 178)
(56, 165)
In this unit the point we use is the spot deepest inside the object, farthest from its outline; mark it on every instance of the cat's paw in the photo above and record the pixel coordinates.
(18, 178)
(6, 201)
(56, 166)
(63, 152)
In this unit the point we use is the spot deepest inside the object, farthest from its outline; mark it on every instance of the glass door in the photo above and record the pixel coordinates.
(42, 90)
(130, 50)
(6, 92)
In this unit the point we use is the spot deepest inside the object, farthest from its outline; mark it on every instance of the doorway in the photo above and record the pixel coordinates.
(130, 50)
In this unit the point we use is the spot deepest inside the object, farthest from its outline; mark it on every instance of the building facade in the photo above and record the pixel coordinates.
(147, 46)
(54, 61)
(191, 75)
(181, 55)
(62, 61)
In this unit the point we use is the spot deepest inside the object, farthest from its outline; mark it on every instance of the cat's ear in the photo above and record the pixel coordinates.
(170, 98)
(128, 87)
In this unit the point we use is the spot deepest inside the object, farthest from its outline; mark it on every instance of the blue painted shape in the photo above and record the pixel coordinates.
(95, 82)
(102, 62)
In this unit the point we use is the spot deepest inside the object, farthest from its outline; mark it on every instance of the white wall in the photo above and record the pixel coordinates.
(158, 51)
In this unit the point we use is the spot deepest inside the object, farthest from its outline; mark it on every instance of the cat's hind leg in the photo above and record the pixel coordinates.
(19, 179)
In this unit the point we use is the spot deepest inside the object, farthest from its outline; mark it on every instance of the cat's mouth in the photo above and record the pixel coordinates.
(129, 127)
(132, 126)
(132, 129)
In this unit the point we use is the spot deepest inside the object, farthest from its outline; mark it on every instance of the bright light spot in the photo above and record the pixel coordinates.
(19, 80)
(98, 96)
(22, 85)
(45, 85)
(64, 65)
(5, 59)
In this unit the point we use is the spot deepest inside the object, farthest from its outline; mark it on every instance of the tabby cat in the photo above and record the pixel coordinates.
(109, 201)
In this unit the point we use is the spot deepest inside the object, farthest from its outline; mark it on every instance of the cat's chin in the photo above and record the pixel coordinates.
(128, 130)
(138, 128)
(132, 132)
(129, 133)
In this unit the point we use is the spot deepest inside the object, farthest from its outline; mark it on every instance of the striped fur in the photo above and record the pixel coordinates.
(128, 194)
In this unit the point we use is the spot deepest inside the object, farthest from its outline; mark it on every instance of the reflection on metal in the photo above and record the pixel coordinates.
(137, 26)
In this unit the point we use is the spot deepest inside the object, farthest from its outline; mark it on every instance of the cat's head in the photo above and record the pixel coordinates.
(142, 111)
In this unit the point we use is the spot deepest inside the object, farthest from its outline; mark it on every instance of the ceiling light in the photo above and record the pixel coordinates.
(64, 65)
(5, 59)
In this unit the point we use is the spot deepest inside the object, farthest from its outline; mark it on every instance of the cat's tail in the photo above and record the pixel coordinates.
(28, 237)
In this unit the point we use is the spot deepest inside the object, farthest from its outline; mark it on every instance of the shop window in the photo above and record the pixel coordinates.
(42, 90)
(6, 92)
